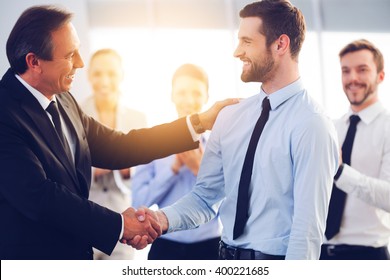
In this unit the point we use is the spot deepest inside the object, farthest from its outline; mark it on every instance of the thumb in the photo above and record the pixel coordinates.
(140, 214)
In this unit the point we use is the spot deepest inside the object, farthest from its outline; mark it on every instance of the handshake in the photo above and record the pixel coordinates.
(142, 226)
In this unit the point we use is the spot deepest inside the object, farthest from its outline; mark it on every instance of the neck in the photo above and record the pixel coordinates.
(282, 77)
(369, 102)
(29, 79)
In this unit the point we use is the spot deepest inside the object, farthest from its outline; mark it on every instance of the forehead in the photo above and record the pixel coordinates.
(358, 58)
(250, 27)
(105, 60)
(65, 39)
(188, 83)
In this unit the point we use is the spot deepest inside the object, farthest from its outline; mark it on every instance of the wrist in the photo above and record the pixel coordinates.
(197, 124)
(163, 221)
(339, 171)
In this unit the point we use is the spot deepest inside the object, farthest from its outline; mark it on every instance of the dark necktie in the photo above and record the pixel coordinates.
(246, 173)
(337, 200)
(52, 109)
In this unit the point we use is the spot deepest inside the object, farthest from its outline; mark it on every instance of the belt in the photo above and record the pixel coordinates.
(227, 252)
(333, 250)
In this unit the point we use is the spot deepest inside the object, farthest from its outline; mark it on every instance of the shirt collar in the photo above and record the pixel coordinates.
(43, 100)
(368, 114)
(280, 96)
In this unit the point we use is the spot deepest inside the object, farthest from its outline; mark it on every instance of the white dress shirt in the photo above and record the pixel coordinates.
(367, 181)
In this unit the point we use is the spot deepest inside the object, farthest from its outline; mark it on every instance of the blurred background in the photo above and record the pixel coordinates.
(154, 37)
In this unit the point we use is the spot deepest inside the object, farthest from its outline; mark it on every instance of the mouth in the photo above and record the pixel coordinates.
(245, 64)
(355, 86)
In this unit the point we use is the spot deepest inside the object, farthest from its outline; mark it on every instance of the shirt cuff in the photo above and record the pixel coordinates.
(195, 136)
(172, 216)
(347, 178)
(121, 234)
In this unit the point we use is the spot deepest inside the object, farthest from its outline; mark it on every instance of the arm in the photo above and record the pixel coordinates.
(37, 186)
(315, 156)
(141, 146)
(373, 191)
(199, 206)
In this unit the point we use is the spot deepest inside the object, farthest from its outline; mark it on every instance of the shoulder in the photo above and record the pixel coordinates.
(232, 111)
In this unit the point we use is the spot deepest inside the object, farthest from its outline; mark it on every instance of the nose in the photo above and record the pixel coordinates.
(351, 76)
(78, 61)
(238, 52)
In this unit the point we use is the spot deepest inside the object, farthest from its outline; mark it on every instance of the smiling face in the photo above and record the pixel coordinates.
(360, 78)
(57, 74)
(258, 62)
(105, 75)
(189, 95)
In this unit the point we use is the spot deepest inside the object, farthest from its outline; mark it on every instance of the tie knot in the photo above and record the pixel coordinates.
(53, 109)
(354, 119)
(266, 104)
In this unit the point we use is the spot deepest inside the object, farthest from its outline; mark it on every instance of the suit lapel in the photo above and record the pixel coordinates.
(47, 130)
(39, 117)
(72, 120)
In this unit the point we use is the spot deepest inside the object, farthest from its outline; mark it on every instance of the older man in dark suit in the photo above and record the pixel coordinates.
(47, 147)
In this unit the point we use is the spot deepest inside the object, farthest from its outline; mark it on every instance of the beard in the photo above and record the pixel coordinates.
(369, 90)
(260, 71)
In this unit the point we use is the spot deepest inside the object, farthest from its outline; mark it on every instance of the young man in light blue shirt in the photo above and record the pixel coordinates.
(296, 156)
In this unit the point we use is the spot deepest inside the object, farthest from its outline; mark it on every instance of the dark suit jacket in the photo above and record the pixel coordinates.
(44, 208)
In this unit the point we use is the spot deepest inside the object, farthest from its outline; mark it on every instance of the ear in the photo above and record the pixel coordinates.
(282, 44)
(381, 76)
(33, 62)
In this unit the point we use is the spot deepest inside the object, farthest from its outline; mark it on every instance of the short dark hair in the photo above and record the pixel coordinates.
(364, 44)
(278, 17)
(32, 33)
(191, 70)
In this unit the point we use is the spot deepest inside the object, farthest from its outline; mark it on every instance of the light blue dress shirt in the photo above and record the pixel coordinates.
(155, 183)
(295, 161)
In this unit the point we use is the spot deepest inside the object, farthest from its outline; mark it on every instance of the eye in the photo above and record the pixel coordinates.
(70, 57)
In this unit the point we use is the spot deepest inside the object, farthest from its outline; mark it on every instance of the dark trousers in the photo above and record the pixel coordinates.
(163, 249)
(353, 252)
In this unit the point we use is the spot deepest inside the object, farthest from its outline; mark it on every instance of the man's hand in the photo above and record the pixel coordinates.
(143, 214)
(208, 118)
(144, 228)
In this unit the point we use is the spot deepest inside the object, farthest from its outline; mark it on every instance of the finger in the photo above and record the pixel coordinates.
(156, 225)
(229, 101)
(135, 241)
(142, 243)
(140, 214)
(152, 234)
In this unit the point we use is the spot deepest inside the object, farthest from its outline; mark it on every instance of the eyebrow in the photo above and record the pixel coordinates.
(358, 66)
(245, 38)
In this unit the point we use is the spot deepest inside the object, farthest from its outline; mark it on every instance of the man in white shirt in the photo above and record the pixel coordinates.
(365, 222)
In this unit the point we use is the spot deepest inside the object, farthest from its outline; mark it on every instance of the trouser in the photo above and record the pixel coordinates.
(353, 252)
(163, 249)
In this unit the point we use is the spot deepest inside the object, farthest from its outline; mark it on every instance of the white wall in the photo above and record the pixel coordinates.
(10, 12)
